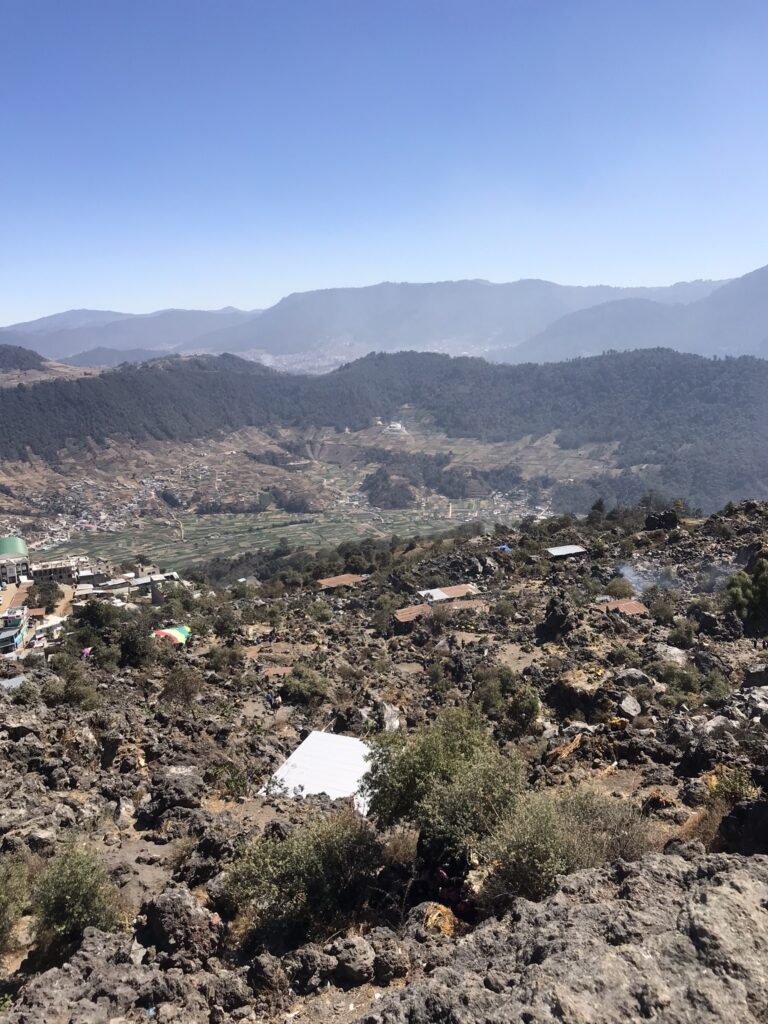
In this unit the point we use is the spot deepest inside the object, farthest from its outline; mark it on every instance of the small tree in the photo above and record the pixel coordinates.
(404, 771)
(73, 893)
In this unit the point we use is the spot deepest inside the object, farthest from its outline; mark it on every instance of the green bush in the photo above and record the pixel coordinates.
(732, 785)
(76, 691)
(320, 611)
(505, 699)
(546, 834)
(304, 686)
(73, 893)
(405, 769)
(683, 634)
(182, 685)
(620, 588)
(308, 884)
(14, 896)
(455, 816)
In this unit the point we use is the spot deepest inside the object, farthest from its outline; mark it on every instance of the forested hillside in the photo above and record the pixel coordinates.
(696, 427)
(14, 357)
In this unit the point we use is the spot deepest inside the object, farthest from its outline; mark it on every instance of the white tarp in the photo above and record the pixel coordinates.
(565, 550)
(325, 763)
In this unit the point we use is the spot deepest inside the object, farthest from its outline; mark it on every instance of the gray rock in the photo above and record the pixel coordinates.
(175, 922)
(757, 674)
(630, 706)
(355, 959)
(392, 959)
(269, 983)
(101, 983)
(682, 940)
(630, 677)
(307, 968)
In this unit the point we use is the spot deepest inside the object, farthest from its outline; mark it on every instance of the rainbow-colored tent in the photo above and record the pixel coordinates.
(178, 635)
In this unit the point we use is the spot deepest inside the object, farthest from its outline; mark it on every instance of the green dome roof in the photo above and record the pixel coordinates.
(13, 546)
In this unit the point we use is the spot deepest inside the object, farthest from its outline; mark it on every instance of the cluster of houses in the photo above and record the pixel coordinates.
(24, 628)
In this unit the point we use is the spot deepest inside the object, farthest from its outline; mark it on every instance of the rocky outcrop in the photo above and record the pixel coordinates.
(681, 939)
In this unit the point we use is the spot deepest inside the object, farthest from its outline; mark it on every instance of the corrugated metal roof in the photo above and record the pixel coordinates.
(566, 549)
(448, 593)
(325, 763)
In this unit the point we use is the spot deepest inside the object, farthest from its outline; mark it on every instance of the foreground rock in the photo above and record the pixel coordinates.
(678, 939)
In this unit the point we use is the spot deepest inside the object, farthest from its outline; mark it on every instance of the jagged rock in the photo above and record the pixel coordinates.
(630, 706)
(695, 793)
(559, 618)
(180, 786)
(269, 983)
(666, 520)
(630, 677)
(355, 959)
(101, 982)
(756, 675)
(175, 922)
(745, 828)
(391, 956)
(676, 939)
(308, 967)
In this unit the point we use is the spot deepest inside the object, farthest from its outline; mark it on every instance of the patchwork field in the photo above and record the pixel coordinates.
(207, 536)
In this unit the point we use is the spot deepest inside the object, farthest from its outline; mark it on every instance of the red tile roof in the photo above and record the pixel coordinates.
(345, 580)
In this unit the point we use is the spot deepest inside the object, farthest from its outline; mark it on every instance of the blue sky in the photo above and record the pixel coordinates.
(202, 153)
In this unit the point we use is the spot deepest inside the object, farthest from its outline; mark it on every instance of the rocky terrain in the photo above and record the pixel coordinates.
(149, 764)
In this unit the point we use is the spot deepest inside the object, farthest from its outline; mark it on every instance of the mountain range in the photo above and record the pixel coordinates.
(523, 321)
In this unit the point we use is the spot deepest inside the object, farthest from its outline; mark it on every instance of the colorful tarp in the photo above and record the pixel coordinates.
(178, 635)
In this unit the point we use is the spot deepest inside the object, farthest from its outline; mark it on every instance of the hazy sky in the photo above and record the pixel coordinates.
(204, 153)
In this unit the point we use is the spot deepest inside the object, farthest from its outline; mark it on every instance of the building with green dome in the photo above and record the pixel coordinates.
(14, 559)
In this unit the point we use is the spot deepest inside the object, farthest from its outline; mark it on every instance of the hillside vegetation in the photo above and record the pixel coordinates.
(683, 424)
(14, 357)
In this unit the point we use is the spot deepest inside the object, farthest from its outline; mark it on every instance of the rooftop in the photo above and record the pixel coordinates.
(347, 579)
(416, 611)
(626, 606)
(565, 550)
(448, 593)
(325, 763)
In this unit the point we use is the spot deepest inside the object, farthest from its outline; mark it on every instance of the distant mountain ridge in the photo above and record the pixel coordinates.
(67, 334)
(338, 324)
(731, 320)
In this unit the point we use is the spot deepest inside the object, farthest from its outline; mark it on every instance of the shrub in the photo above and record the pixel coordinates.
(620, 588)
(503, 610)
(320, 611)
(137, 647)
(660, 605)
(545, 835)
(181, 686)
(76, 691)
(404, 770)
(683, 634)
(304, 686)
(508, 701)
(731, 785)
(308, 884)
(72, 894)
(14, 895)
(455, 816)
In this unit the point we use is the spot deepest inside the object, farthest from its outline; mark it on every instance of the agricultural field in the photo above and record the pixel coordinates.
(205, 536)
